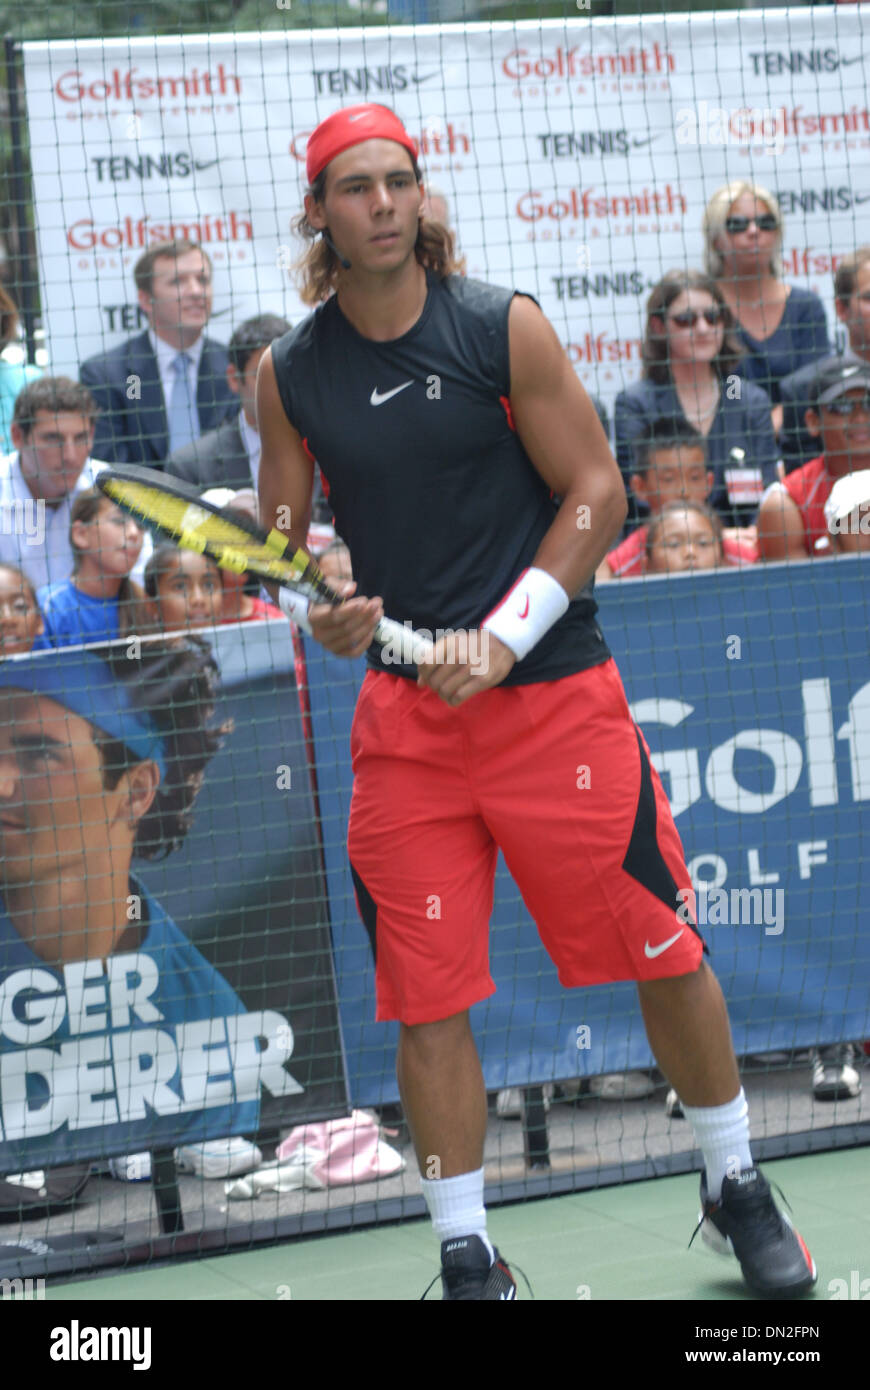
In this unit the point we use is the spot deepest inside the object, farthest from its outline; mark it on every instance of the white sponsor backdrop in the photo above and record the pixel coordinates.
(133, 140)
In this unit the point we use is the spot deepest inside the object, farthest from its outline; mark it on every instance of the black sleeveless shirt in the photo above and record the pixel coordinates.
(429, 483)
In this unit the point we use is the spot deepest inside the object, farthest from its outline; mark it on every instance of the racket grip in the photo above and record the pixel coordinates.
(408, 647)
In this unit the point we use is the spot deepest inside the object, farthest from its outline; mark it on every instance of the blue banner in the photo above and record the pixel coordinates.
(752, 688)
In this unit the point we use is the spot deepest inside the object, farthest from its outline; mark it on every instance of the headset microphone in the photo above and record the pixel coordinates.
(332, 246)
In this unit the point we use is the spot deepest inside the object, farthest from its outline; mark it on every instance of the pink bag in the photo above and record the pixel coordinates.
(348, 1150)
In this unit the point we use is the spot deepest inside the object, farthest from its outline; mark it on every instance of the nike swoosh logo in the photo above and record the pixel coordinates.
(205, 163)
(376, 399)
(847, 62)
(427, 78)
(638, 144)
(862, 197)
(652, 951)
(358, 117)
(525, 612)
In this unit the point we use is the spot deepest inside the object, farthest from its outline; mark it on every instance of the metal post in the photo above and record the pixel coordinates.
(25, 275)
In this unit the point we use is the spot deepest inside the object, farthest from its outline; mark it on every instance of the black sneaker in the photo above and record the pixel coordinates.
(468, 1274)
(747, 1223)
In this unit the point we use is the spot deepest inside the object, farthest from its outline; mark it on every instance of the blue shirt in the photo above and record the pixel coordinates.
(72, 617)
(14, 376)
(739, 423)
(800, 338)
(122, 1079)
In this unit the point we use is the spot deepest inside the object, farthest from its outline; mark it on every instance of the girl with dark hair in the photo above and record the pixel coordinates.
(690, 374)
(684, 536)
(21, 624)
(182, 590)
(100, 602)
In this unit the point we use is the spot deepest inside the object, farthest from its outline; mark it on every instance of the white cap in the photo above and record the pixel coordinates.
(847, 494)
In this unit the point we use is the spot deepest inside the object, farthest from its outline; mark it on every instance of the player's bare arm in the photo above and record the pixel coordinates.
(780, 527)
(285, 482)
(563, 437)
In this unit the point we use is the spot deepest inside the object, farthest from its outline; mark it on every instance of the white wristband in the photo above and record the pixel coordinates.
(527, 611)
(296, 607)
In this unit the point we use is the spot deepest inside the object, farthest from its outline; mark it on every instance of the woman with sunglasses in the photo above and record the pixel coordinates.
(782, 327)
(690, 373)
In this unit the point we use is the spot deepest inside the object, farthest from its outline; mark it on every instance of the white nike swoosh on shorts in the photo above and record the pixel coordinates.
(376, 399)
(652, 951)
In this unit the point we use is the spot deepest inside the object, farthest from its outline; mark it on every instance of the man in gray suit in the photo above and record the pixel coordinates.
(229, 456)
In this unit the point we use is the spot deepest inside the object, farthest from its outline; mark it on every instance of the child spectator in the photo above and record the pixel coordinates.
(21, 624)
(100, 602)
(241, 592)
(670, 466)
(684, 536)
(182, 590)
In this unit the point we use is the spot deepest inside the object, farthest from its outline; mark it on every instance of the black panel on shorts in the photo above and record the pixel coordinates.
(643, 858)
(368, 911)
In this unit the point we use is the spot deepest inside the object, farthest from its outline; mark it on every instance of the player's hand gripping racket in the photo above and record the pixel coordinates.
(176, 510)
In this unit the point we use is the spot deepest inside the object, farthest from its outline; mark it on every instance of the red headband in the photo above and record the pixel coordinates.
(351, 126)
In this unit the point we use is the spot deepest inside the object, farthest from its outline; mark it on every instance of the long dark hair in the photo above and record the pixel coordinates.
(655, 341)
(174, 680)
(86, 508)
(317, 269)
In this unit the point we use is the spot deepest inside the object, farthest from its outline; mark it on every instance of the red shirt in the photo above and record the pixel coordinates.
(262, 609)
(809, 488)
(629, 558)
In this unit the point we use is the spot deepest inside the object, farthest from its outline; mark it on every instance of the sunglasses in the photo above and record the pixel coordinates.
(765, 223)
(690, 317)
(844, 406)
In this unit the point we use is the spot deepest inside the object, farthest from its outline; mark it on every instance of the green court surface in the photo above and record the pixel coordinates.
(624, 1242)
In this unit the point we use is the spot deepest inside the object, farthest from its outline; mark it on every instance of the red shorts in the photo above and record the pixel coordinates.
(558, 777)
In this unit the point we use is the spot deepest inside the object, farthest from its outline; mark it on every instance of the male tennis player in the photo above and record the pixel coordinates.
(444, 415)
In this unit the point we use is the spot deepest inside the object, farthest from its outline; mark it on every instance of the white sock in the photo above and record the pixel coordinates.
(722, 1135)
(456, 1206)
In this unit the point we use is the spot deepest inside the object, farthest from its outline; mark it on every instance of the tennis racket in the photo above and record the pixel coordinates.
(237, 543)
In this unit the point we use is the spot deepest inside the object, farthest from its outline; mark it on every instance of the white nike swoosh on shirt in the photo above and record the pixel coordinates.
(376, 399)
(652, 951)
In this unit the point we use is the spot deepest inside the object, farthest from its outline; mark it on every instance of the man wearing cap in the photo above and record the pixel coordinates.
(791, 518)
(88, 778)
(852, 307)
(445, 416)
